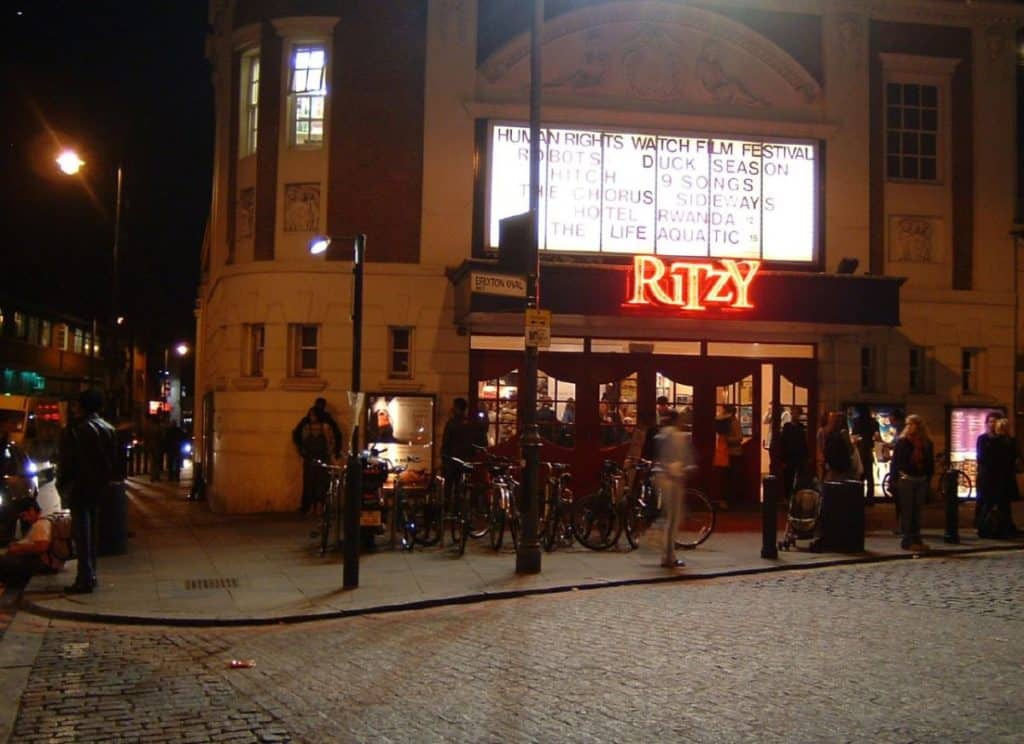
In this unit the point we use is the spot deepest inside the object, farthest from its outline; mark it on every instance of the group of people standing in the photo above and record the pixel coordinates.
(163, 439)
(996, 484)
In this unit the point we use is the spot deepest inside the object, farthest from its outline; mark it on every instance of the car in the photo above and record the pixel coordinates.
(20, 479)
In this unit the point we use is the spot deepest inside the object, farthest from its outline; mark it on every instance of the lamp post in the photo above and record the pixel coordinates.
(70, 163)
(528, 555)
(324, 244)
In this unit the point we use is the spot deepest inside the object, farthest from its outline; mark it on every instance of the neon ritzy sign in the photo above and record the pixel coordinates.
(691, 284)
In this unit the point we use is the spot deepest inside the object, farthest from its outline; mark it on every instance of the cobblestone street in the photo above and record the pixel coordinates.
(923, 650)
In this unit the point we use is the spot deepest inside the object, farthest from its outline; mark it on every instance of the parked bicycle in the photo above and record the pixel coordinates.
(556, 516)
(465, 515)
(964, 484)
(417, 509)
(503, 504)
(330, 507)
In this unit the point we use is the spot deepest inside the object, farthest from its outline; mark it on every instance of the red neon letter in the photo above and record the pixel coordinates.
(647, 272)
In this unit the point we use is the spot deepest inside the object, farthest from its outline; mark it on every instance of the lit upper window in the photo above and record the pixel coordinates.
(250, 103)
(308, 91)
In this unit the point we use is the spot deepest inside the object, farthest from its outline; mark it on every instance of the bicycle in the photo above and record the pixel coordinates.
(503, 505)
(556, 520)
(942, 466)
(595, 517)
(331, 504)
(416, 514)
(464, 520)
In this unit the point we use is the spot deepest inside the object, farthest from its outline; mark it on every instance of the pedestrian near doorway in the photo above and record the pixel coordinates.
(86, 472)
(318, 444)
(675, 452)
(728, 456)
(838, 449)
(173, 441)
(793, 451)
(866, 432)
(987, 482)
(913, 463)
(460, 439)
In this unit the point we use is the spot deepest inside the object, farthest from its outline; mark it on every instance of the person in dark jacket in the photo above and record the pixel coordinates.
(320, 407)
(174, 439)
(460, 438)
(986, 482)
(87, 466)
(997, 518)
(913, 463)
(315, 439)
(793, 451)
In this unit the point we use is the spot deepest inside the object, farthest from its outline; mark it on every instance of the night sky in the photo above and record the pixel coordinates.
(122, 81)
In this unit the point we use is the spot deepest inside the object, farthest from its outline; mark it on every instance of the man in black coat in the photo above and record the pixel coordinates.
(87, 467)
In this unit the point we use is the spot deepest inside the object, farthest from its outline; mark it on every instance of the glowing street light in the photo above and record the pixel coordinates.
(69, 162)
(181, 349)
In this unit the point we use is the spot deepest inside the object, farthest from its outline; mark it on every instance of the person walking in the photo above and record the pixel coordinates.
(174, 439)
(675, 452)
(152, 438)
(87, 468)
(913, 463)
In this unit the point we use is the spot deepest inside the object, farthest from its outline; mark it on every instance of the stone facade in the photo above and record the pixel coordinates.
(411, 86)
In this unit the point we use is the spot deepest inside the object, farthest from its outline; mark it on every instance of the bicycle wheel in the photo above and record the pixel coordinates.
(479, 513)
(964, 485)
(325, 526)
(549, 527)
(698, 520)
(636, 522)
(497, 522)
(410, 524)
(460, 519)
(430, 524)
(887, 486)
(594, 521)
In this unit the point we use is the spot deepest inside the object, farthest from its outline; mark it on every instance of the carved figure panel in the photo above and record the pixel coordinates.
(301, 207)
(655, 51)
(246, 215)
(915, 238)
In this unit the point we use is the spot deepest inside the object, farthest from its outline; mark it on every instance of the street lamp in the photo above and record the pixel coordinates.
(70, 163)
(329, 245)
(181, 349)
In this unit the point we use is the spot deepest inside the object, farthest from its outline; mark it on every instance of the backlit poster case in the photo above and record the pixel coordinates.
(402, 427)
(666, 194)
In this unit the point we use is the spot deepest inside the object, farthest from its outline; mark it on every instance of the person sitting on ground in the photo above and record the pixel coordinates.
(31, 555)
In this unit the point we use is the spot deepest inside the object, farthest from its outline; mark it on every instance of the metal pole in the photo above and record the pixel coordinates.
(354, 476)
(528, 555)
(116, 354)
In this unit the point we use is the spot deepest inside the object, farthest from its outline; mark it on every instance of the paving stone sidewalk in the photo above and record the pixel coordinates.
(186, 565)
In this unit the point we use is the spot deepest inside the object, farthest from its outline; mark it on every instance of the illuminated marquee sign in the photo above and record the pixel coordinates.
(665, 194)
(692, 285)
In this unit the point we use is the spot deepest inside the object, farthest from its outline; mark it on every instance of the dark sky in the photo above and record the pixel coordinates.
(123, 81)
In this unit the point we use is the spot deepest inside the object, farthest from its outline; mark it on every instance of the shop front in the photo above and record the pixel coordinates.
(755, 352)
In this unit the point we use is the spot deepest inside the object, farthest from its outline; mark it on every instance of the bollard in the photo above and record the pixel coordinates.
(769, 517)
(950, 490)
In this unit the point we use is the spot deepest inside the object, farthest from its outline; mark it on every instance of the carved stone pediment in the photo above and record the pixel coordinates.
(654, 51)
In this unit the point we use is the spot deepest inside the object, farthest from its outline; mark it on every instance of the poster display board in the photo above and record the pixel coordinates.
(965, 424)
(403, 427)
(664, 193)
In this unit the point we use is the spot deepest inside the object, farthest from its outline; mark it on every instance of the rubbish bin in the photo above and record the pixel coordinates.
(112, 521)
(842, 517)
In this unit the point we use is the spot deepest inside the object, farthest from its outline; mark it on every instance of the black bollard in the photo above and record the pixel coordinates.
(950, 487)
(769, 517)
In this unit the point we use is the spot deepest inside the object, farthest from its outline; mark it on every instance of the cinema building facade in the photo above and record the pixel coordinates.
(780, 205)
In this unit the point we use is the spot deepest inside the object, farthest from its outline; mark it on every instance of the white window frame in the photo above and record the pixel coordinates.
(45, 333)
(394, 349)
(297, 366)
(299, 88)
(907, 69)
(255, 349)
(249, 78)
(970, 370)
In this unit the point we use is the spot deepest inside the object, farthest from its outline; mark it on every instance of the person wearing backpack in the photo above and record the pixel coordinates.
(36, 552)
(86, 469)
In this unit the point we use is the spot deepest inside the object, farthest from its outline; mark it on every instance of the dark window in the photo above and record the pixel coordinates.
(912, 122)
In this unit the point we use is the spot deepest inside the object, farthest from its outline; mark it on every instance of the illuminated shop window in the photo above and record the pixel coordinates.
(911, 131)
(737, 398)
(308, 93)
(556, 410)
(78, 341)
(20, 326)
(399, 352)
(256, 345)
(44, 333)
(616, 408)
(305, 350)
(680, 399)
(250, 90)
(497, 399)
(32, 330)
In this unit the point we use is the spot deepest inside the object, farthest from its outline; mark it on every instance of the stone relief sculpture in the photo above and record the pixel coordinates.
(301, 207)
(851, 39)
(592, 70)
(246, 218)
(653, 64)
(723, 87)
(913, 239)
(453, 20)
